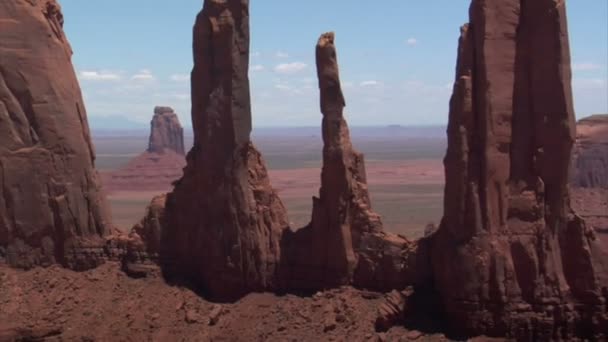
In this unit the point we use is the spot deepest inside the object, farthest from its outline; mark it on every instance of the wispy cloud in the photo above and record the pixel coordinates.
(255, 54)
(88, 75)
(282, 87)
(290, 68)
(143, 75)
(181, 97)
(179, 77)
(586, 66)
(281, 54)
(412, 41)
(257, 67)
(370, 83)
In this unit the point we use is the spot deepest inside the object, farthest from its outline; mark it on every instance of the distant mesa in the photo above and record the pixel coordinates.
(160, 165)
(590, 155)
(589, 173)
(166, 133)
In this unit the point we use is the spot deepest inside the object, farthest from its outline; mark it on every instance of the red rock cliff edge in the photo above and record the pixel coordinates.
(51, 207)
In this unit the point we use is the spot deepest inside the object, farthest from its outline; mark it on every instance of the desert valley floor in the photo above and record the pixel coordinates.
(404, 170)
(405, 175)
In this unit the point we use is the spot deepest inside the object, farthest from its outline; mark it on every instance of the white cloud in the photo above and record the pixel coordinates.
(348, 84)
(427, 90)
(255, 54)
(143, 75)
(371, 83)
(290, 68)
(98, 76)
(412, 41)
(281, 54)
(181, 97)
(257, 67)
(586, 66)
(282, 87)
(179, 77)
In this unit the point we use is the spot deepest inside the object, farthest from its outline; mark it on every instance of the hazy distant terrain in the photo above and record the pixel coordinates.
(404, 168)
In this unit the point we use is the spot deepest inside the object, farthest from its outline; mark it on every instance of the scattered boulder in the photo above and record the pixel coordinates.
(52, 209)
(192, 316)
(392, 311)
(215, 314)
(225, 219)
(38, 333)
(590, 156)
(511, 258)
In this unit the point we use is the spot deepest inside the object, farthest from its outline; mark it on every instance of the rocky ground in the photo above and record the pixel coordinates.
(54, 304)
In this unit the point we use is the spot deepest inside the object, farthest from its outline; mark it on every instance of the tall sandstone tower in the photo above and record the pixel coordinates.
(51, 207)
(511, 257)
(224, 221)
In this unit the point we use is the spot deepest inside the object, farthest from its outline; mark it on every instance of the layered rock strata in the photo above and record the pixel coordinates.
(511, 258)
(51, 207)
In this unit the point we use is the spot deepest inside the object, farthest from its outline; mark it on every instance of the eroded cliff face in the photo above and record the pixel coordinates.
(224, 220)
(590, 155)
(51, 208)
(511, 257)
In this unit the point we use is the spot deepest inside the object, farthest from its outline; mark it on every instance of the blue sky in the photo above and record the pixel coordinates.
(396, 59)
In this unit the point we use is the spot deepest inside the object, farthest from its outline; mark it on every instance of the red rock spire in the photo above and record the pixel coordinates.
(224, 220)
(511, 257)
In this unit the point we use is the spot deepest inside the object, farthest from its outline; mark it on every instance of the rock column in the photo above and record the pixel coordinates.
(224, 221)
(511, 257)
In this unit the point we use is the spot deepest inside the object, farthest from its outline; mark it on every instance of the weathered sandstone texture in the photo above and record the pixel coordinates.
(224, 221)
(160, 165)
(511, 258)
(51, 207)
(590, 156)
(344, 243)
